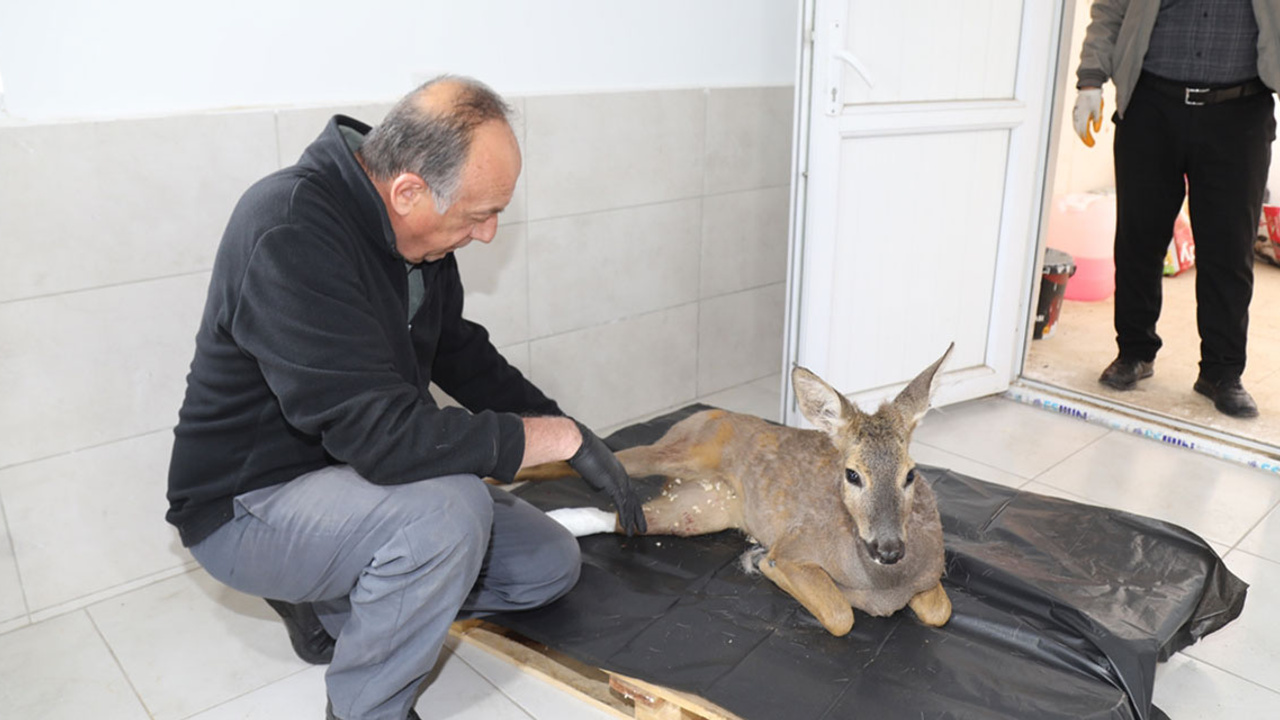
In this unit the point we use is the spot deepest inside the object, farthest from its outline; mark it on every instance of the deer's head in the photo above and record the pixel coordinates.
(878, 480)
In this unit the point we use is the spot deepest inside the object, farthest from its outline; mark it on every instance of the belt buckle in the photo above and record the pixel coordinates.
(1187, 98)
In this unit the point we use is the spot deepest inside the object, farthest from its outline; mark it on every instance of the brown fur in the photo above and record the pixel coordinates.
(787, 488)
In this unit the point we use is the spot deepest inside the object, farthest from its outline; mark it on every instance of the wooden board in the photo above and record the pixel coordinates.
(619, 695)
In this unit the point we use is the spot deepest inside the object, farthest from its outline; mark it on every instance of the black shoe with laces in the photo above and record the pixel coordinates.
(1123, 374)
(310, 640)
(1228, 396)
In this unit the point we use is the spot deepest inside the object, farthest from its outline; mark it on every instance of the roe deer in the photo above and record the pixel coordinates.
(841, 516)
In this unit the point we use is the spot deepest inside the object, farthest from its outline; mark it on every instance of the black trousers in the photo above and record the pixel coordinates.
(1224, 151)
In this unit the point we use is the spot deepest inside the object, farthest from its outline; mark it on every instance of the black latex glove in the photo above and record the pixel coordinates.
(596, 463)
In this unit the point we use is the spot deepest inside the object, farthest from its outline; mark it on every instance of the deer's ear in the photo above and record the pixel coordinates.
(913, 401)
(826, 408)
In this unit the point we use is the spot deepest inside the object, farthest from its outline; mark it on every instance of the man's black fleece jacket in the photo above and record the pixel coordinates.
(305, 355)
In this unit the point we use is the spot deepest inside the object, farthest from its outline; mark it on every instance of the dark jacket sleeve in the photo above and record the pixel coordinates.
(304, 316)
(470, 368)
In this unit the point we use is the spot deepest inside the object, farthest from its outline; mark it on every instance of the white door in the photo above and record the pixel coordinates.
(922, 142)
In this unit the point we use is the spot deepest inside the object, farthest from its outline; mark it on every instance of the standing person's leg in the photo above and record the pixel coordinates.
(1149, 192)
(1229, 159)
(402, 558)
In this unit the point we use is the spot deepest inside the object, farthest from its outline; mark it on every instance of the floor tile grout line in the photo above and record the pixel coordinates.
(1037, 477)
(1219, 668)
(17, 568)
(110, 593)
(1110, 505)
(1034, 478)
(983, 463)
(1253, 527)
(245, 694)
(520, 706)
(1077, 451)
(1263, 558)
(119, 665)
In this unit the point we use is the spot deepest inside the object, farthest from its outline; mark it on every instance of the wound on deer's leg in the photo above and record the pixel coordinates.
(932, 606)
(693, 507)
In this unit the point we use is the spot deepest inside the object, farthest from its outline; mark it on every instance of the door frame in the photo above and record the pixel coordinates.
(1094, 408)
(799, 199)
(1016, 277)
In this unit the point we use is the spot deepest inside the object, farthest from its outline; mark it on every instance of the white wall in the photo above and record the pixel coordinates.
(639, 267)
(66, 59)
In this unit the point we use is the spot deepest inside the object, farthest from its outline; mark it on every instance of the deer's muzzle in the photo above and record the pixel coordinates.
(886, 552)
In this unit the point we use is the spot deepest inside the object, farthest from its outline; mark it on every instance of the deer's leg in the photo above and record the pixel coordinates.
(693, 507)
(643, 461)
(696, 499)
(814, 588)
(691, 447)
(685, 507)
(546, 471)
(932, 606)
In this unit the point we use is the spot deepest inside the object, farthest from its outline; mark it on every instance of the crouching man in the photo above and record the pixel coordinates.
(311, 465)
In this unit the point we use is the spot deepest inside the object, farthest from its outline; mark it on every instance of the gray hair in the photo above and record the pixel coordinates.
(432, 143)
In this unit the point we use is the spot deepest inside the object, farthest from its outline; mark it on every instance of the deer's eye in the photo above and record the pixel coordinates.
(853, 477)
(911, 477)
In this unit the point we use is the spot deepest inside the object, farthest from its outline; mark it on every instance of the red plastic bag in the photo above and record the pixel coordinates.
(1268, 245)
(1181, 255)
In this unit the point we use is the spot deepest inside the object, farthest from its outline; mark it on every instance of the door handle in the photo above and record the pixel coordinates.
(839, 57)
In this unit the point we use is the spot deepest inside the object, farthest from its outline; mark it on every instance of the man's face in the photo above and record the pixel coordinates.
(488, 180)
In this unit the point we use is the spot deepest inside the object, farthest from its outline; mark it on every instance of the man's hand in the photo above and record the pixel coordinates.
(596, 463)
(1088, 111)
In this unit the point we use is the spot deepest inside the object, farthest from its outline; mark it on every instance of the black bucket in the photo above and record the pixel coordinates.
(1058, 268)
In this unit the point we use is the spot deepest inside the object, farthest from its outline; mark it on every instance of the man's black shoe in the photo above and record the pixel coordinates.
(310, 640)
(328, 713)
(1228, 396)
(1123, 374)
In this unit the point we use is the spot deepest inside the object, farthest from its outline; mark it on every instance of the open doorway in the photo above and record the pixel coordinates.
(1082, 342)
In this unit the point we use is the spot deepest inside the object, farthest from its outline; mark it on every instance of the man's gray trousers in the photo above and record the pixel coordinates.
(389, 568)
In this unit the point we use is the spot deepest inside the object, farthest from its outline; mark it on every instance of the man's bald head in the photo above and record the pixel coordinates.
(430, 132)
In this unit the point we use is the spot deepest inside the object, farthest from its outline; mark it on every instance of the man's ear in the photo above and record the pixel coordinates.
(406, 191)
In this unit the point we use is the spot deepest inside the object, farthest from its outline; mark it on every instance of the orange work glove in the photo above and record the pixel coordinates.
(1088, 111)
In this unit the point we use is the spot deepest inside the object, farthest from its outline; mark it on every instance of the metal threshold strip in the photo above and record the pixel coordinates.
(1138, 421)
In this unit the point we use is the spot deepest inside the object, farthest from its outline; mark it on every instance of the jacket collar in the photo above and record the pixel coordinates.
(333, 157)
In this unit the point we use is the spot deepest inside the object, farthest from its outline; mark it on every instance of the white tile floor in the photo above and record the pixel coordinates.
(1084, 342)
(184, 647)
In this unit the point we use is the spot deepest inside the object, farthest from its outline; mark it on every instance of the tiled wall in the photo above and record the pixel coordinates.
(640, 267)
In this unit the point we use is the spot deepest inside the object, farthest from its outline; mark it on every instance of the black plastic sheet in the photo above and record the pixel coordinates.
(1060, 610)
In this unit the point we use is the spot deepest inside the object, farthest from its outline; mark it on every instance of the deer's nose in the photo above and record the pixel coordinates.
(886, 552)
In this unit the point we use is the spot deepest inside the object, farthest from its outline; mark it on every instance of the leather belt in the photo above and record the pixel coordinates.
(1203, 95)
